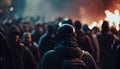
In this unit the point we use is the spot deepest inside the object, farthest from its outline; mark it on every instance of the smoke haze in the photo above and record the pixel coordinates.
(85, 10)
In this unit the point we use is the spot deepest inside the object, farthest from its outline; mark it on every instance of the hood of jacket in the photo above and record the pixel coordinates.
(13, 29)
(68, 50)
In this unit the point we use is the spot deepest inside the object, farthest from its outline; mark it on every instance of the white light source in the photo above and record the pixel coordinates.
(113, 18)
(11, 9)
(93, 25)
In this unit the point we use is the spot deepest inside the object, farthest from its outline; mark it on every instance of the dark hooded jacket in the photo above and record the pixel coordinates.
(46, 41)
(65, 49)
(6, 59)
(3, 31)
(16, 49)
(22, 56)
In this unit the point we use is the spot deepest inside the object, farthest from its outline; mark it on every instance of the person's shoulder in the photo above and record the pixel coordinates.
(49, 53)
(34, 46)
(86, 54)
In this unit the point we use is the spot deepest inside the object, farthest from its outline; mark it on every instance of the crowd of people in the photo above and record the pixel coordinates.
(35, 44)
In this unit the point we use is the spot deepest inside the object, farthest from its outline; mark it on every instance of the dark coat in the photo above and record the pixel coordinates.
(6, 58)
(117, 53)
(46, 41)
(35, 51)
(105, 40)
(15, 47)
(53, 59)
(36, 36)
(22, 56)
(29, 61)
(84, 42)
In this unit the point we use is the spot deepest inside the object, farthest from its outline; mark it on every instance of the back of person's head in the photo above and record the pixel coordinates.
(65, 31)
(38, 26)
(77, 25)
(85, 28)
(105, 26)
(114, 30)
(50, 29)
(95, 30)
(67, 21)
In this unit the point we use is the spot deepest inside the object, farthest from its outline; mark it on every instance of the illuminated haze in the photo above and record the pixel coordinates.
(85, 10)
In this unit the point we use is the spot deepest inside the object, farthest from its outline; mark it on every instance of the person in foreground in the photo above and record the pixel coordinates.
(65, 48)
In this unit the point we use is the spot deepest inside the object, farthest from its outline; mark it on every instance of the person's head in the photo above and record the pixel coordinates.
(65, 31)
(38, 27)
(105, 26)
(95, 30)
(45, 26)
(51, 29)
(67, 21)
(85, 28)
(77, 25)
(26, 27)
(27, 37)
(14, 34)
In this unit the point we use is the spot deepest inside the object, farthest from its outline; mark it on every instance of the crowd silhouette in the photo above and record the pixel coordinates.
(39, 45)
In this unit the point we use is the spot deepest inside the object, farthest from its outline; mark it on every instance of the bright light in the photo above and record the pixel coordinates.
(11, 9)
(60, 24)
(93, 25)
(116, 12)
(109, 16)
(113, 18)
(100, 24)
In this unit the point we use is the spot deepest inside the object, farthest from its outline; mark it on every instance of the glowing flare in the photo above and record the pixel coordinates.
(93, 25)
(113, 18)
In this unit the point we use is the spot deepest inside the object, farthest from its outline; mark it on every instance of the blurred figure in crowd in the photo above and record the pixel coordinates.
(85, 42)
(117, 53)
(65, 48)
(44, 26)
(25, 27)
(6, 55)
(95, 30)
(94, 48)
(82, 39)
(22, 56)
(105, 39)
(28, 43)
(38, 31)
(46, 41)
